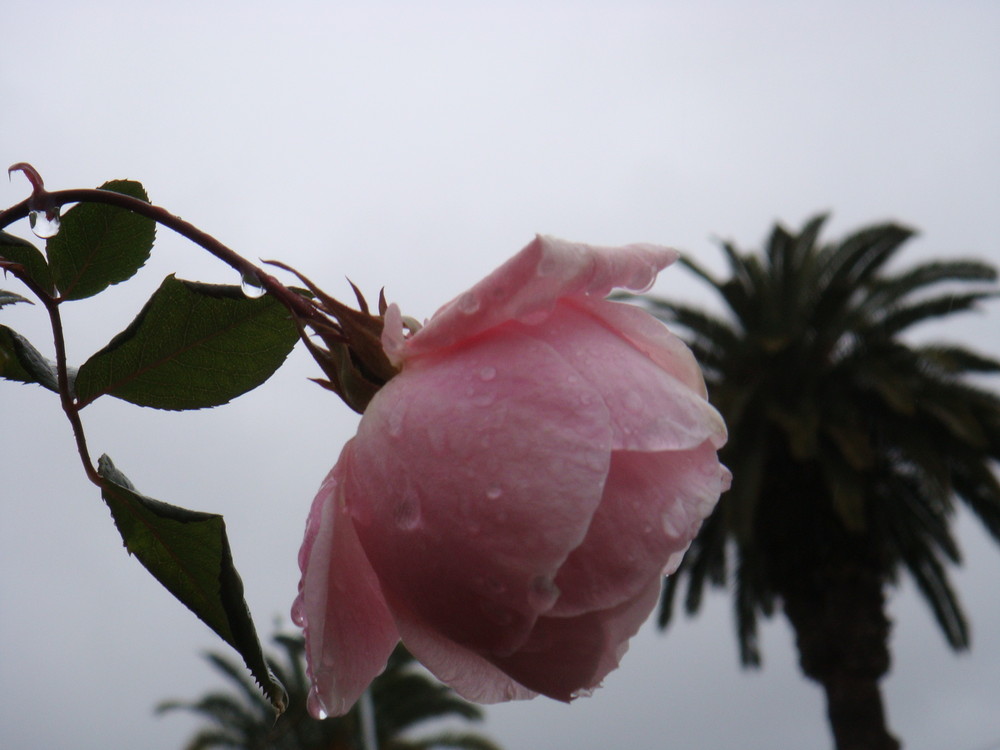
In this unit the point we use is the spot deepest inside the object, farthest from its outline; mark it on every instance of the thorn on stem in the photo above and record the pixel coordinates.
(37, 184)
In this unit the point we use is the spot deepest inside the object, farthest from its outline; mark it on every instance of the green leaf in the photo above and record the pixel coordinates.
(100, 245)
(188, 552)
(192, 346)
(9, 298)
(22, 252)
(19, 360)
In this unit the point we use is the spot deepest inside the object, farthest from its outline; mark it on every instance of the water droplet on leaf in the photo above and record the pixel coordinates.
(44, 224)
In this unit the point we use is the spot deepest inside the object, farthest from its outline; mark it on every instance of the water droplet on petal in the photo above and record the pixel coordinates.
(298, 612)
(407, 512)
(395, 426)
(251, 287)
(670, 527)
(494, 493)
(543, 593)
(549, 264)
(468, 303)
(484, 399)
(44, 224)
(643, 279)
(633, 402)
(487, 373)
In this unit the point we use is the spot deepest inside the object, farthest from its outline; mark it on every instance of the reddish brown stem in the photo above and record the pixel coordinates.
(290, 299)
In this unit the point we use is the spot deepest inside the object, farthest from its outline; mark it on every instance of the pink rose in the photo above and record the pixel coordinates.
(516, 493)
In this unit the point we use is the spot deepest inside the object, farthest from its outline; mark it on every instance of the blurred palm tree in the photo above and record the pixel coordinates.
(403, 696)
(849, 447)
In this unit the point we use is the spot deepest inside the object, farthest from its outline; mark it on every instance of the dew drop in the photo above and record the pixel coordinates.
(487, 373)
(543, 593)
(395, 426)
(494, 493)
(468, 303)
(406, 514)
(298, 612)
(643, 279)
(484, 399)
(548, 265)
(44, 224)
(670, 526)
(633, 402)
(251, 287)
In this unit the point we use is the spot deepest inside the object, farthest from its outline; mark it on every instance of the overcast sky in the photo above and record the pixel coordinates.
(416, 146)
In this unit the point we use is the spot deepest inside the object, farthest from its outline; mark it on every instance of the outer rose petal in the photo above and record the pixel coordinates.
(650, 408)
(653, 505)
(566, 657)
(474, 475)
(349, 630)
(651, 337)
(529, 284)
(468, 673)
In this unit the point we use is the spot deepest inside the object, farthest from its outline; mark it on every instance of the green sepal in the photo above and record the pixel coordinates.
(188, 553)
(192, 346)
(99, 245)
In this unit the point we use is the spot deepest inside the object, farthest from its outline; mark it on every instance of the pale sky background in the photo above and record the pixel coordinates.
(416, 146)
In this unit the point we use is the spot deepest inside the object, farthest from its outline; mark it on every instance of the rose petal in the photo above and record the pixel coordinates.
(475, 475)
(470, 675)
(653, 505)
(531, 282)
(348, 628)
(650, 408)
(566, 657)
(651, 337)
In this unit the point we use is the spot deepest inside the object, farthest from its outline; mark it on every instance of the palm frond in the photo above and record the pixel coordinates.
(904, 317)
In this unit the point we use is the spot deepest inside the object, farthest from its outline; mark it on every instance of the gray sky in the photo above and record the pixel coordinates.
(416, 146)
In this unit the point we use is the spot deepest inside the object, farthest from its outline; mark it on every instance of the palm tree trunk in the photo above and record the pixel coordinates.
(842, 636)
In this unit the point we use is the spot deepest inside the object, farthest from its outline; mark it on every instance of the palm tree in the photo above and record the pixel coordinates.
(402, 697)
(849, 447)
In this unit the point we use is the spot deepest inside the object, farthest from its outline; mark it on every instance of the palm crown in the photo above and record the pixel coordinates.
(848, 445)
